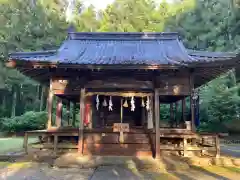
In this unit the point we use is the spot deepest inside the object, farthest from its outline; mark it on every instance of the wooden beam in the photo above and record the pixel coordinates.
(49, 106)
(171, 115)
(15, 63)
(59, 112)
(82, 115)
(119, 82)
(68, 112)
(157, 119)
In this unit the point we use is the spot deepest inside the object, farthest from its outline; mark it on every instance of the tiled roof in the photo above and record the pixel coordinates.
(115, 48)
(121, 48)
(211, 56)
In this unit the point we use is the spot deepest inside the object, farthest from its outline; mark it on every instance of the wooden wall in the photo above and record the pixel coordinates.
(167, 84)
(173, 85)
(100, 143)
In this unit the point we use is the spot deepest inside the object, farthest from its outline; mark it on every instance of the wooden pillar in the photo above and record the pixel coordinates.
(49, 106)
(192, 113)
(185, 146)
(88, 111)
(25, 142)
(121, 138)
(157, 119)
(55, 143)
(121, 111)
(74, 114)
(68, 113)
(184, 110)
(191, 103)
(59, 112)
(143, 117)
(176, 113)
(82, 110)
(217, 144)
(171, 115)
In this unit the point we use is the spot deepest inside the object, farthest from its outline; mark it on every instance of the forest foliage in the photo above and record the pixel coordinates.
(30, 25)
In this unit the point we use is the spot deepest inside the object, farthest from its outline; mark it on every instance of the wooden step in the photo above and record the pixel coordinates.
(117, 149)
(92, 138)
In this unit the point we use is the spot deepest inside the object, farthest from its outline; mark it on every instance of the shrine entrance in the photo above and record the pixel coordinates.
(121, 112)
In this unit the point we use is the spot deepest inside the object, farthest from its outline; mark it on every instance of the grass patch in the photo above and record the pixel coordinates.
(225, 172)
(13, 144)
(4, 164)
(19, 165)
(233, 169)
(166, 176)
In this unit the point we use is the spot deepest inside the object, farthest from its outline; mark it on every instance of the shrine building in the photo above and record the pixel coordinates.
(114, 85)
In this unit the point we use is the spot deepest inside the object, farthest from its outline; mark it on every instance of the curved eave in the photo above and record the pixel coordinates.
(214, 59)
(203, 76)
(18, 63)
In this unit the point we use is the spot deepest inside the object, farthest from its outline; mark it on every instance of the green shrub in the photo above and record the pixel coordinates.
(233, 126)
(28, 121)
(212, 127)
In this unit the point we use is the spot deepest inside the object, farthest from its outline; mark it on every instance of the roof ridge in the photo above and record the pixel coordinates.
(122, 35)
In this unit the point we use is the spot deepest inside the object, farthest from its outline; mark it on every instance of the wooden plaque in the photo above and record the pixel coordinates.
(118, 127)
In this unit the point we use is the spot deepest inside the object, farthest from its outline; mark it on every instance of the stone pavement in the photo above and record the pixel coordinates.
(34, 171)
(44, 172)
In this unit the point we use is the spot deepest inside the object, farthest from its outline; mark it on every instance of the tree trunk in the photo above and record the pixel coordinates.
(14, 101)
(42, 99)
(4, 101)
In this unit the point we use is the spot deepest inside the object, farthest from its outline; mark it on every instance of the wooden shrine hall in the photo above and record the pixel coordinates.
(120, 81)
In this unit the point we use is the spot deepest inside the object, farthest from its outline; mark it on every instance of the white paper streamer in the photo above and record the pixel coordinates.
(132, 104)
(148, 103)
(97, 102)
(150, 119)
(110, 107)
(104, 102)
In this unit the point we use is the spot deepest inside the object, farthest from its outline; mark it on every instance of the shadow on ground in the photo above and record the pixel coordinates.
(46, 165)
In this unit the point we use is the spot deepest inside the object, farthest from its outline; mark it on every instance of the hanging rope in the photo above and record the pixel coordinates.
(122, 94)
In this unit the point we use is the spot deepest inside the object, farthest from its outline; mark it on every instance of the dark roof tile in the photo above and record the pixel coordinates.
(121, 48)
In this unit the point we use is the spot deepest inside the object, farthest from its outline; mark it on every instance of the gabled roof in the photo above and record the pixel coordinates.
(100, 50)
(115, 48)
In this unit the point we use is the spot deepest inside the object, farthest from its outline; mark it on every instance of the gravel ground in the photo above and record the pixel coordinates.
(44, 172)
